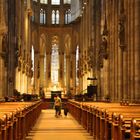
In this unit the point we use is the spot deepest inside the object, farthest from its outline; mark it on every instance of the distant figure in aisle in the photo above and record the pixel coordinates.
(66, 110)
(41, 93)
(57, 105)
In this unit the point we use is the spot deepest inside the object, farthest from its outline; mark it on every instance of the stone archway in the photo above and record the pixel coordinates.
(42, 59)
(67, 43)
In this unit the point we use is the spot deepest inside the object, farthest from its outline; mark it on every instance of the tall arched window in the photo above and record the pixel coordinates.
(33, 18)
(45, 65)
(55, 2)
(57, 17)
(68, 16)
(42, 16)
(54, 64)
(32, 58)
(34, 14)
(53, 17)
(65, 69)
(77, 67)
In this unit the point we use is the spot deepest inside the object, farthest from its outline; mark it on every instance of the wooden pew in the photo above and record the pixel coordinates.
(104, 123)
(17, 126)
(135, 129)
(102, 118)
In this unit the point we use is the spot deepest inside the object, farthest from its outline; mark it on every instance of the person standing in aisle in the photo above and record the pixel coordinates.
(57, 105)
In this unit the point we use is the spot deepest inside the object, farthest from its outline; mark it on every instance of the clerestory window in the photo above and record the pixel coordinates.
(55, 17)
(42, 16)
(54, 64)
(55, 2)
(68, 16)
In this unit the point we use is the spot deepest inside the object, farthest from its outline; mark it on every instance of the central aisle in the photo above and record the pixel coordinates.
(48, 127)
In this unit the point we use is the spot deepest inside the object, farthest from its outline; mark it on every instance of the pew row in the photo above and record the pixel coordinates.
(17, 119)
(107, 121)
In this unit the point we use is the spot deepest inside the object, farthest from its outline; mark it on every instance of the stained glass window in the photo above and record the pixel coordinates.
(42, 16)
(65, 69)
(55, 2)
(45, 65)
(68, 16)
(77, 67)
(55, 17)
(32, 58)
(54, 64)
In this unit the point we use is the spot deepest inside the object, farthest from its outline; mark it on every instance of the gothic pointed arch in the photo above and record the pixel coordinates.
(34, 40)
(67, 43)
(42, 43)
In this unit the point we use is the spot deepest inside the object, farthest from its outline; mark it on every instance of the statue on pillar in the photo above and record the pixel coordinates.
(104, 47)
(122, 31)
(121, 26)
(4, 53)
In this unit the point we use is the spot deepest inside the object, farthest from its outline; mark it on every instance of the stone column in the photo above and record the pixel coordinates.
(1, 66)
(61, 66)
(116, 66)
(25, 83)
(36, 72)
(132, 52)
(97, 29)
(41, 70)
(17, 79)
(125, 76)
(74, 72)
(137, 50)
(120, 74)
(11, 45)
(48, 70)
(112, 53)
(68, 72)
(81, 36)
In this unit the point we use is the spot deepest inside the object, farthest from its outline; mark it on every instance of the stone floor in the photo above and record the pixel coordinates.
(48, 127)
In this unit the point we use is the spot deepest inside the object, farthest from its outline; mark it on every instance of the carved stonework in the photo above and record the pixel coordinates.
(91, 60)
(121, 25)
(102, 54)
(16, 50)
(100, 60)
(38, 74)
(4, 53)
(26, 69)
(103, 48)
(31, 73)
(19, 64)
(23, 67)
(122, 32)
(104, 42)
